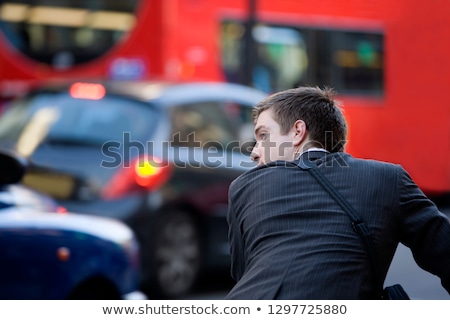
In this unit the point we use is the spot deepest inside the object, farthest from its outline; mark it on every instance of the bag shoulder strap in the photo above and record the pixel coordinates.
(358, 224)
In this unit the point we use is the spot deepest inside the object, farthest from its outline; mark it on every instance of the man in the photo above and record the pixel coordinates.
(290, 240)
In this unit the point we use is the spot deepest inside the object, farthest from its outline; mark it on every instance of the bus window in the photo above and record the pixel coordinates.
(62, 33)
(351, 62)
(286, 57)
(281, 60)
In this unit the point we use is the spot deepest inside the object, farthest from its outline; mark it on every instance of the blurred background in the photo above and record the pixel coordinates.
(388, 60)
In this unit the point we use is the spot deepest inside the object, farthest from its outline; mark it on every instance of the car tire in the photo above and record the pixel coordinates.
(177, 255)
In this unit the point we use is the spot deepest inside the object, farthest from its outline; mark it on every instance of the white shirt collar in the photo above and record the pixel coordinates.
(315, 149)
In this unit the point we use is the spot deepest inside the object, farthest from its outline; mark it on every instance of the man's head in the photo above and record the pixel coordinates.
(294, 120)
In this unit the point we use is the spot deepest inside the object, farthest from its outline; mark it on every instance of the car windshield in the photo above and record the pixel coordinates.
(59, 118)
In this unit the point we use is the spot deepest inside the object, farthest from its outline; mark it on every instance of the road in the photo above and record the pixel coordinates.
(214, 286)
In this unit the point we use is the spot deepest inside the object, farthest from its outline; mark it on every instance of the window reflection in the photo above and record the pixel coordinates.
(62, 33)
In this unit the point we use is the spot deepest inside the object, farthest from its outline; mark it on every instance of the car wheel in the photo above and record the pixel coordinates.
(177, 254)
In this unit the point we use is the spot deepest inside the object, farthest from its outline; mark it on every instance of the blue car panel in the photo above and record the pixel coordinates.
(46, 254)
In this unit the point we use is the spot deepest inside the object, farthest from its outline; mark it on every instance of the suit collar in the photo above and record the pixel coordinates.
(313, 154)
(311, 158)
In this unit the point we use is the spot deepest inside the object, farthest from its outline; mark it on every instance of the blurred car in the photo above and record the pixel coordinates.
(158, 156)
(48, 253)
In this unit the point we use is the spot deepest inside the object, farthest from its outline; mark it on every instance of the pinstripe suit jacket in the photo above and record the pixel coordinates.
(290, 240)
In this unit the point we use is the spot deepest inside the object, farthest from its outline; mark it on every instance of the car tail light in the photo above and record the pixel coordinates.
(90, 91)
(143, 173)
(61, 209)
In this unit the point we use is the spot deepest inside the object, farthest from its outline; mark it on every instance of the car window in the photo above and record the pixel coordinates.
(201, 124)
(59, 117)
(241, 118)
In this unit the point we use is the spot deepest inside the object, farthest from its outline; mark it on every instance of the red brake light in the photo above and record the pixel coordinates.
(150, 173)
(91, 91)
(147, 173)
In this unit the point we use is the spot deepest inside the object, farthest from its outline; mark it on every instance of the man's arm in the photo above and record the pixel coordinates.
(425, 230)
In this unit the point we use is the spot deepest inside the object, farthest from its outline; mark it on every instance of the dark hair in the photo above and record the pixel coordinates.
(325, 122)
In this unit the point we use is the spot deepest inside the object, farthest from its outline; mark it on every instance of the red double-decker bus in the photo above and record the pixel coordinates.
(387, 59)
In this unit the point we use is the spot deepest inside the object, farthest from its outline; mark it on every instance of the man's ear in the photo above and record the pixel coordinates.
(300, 133)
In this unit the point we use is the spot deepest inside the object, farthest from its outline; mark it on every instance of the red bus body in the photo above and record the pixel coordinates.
(408, 123)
